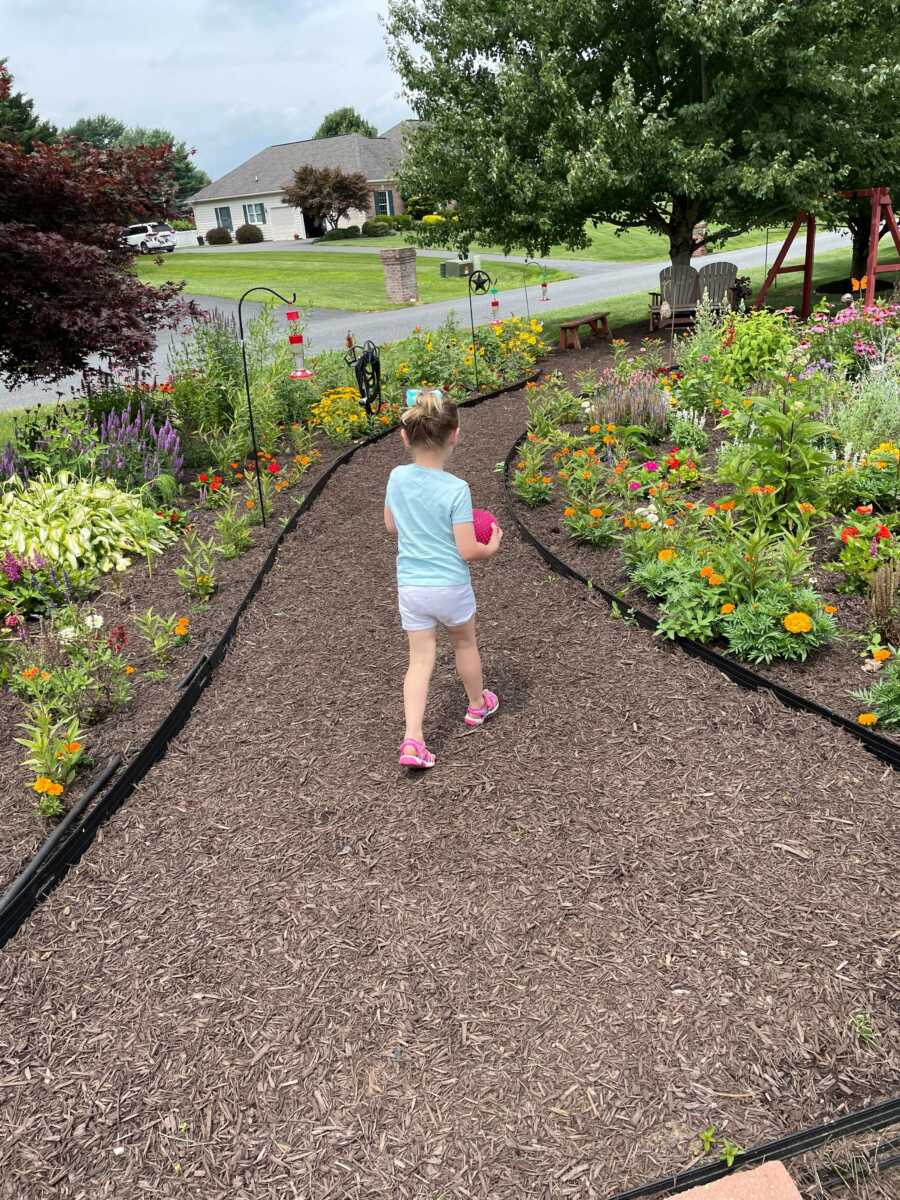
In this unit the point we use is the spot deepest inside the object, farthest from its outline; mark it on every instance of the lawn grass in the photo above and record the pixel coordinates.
(637, 245)
(321, 280)
(787, 291)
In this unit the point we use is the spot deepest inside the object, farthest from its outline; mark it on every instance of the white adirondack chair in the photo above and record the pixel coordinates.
(716, 284)
(679, 288)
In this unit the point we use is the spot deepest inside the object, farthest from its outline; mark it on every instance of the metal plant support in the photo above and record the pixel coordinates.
(532, 262)
(366, 365)
(284, 300)
(480, 283)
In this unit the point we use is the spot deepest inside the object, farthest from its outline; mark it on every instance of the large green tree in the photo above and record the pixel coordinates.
(344, 120)
(661, 114)
(188, 177)
(100, 131)
(19, 123)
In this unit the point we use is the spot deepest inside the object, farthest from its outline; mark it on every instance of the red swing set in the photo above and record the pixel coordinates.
(882, 212)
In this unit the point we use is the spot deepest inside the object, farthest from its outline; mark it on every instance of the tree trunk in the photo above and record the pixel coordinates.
(860, 231)
(681, 230)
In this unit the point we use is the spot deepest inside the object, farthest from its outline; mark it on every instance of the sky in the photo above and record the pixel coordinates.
(229, 77)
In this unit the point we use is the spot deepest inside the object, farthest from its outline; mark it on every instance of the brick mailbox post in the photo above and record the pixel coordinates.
(400, 274)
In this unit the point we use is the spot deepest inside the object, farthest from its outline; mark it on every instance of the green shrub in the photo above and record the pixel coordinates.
(870, 413)
(782, 622)
(352, 231)
(403, 221)
(375, 228)
(245, 234)
(180, 225)
(219, 236)
(335, 235)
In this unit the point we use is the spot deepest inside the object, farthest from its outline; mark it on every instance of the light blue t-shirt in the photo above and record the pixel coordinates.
(426, 503)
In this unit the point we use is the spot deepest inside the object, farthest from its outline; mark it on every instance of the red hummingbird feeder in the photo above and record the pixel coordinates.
(301, 370)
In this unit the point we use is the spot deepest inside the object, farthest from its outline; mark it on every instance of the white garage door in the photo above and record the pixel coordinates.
(285, 221)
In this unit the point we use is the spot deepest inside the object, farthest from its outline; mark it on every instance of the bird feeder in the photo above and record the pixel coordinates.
(544, 296)
(301, 370)
(495, 303)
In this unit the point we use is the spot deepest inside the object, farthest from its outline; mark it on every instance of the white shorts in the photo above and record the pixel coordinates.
(425, 607)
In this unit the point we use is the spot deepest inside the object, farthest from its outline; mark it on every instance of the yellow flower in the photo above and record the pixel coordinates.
(667, 554)
(798, 622)
(594, 429)
(867, 718)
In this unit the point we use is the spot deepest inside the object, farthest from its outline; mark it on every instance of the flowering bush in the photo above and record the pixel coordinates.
(851, 339)
(866, 544)
(530, 481)
(339, 415)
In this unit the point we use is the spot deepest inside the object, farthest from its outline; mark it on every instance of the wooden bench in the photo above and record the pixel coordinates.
(568, 330)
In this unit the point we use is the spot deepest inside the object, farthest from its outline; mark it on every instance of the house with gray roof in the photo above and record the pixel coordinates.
(253, 193)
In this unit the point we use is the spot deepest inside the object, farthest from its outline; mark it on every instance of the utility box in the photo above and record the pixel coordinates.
(456, 268)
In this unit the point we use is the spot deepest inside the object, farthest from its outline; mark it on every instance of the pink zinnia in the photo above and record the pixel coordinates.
(634, 486)
(651, 466)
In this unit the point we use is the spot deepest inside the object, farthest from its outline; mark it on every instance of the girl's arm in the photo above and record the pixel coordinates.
(389, 521)
(469, 546)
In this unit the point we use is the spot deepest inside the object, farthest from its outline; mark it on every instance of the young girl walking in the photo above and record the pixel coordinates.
(430, 511)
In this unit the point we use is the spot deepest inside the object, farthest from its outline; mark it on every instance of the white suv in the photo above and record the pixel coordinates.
(152, 238)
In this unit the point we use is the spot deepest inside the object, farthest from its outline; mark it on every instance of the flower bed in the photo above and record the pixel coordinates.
(118, 562)
(729, 498)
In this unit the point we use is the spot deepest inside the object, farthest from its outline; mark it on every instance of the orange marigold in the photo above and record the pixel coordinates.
(705, 572)
(715, 580)
(569, 512)
(798, 622)
(596, 512)
(727, 505)
(883, 654)
(726, 609)
(667, 554)
(831, 609)
(867, 718)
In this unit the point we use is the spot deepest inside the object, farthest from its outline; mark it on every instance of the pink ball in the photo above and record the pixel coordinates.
(483, 521)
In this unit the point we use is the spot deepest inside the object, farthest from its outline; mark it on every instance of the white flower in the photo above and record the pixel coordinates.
(648, 514)
(93, 621)
(68, 634)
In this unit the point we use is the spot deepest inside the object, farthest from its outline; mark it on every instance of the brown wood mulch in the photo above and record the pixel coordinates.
(639, 902)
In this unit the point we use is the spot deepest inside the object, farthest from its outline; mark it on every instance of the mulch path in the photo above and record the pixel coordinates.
(640, 901)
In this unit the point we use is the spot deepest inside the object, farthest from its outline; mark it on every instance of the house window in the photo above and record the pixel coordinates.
(223, 218)
(384, 204)
(254, 214)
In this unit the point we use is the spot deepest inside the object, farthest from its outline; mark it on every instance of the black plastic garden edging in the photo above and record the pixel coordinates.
(864, 1120)
(876, 743)
(65, 845)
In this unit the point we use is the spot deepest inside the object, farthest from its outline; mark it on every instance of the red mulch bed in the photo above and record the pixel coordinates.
(640, 901)
(126, 730)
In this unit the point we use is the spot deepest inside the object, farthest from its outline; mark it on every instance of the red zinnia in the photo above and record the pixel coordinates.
(863, 509)
(850, 531)
(882, 532)
(273, 468)
(203, 478)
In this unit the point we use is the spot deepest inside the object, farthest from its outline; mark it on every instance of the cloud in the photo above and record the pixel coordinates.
(228, 76)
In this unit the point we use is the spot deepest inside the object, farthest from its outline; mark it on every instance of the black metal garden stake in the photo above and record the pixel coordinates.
(284, 300)
(480, 284)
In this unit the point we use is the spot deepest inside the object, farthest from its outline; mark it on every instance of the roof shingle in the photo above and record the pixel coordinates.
(273, 168)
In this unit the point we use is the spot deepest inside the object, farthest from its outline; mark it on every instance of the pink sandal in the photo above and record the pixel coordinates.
(415, 754)
(477, 716)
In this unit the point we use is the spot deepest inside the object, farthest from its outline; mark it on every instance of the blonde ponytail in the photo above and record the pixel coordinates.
(431, 420)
